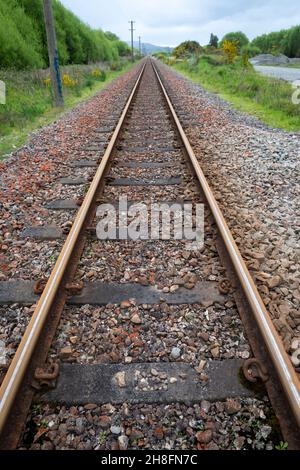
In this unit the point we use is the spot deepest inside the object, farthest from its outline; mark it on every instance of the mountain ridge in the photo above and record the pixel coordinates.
(149, 48)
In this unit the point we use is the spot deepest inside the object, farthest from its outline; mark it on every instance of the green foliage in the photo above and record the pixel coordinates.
(282, 446)
(272, 43)
(239, 38)
(250, 50)
(19, 39)
(292, 42)
(23, 37)
(187, 48)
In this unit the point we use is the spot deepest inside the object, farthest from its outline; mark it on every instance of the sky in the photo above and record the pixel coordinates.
(169, 22)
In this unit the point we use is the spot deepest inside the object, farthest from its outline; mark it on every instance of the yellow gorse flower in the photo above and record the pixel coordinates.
(68, 81)
(230, 49)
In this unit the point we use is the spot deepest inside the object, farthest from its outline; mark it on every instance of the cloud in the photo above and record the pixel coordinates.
(168, 22)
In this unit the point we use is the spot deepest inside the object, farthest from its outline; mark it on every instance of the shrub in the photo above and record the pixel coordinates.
(240, 39)
(68, 81)
(99, 75)
(230, 50)
(250, 50)
(187, 48)
(23, 39)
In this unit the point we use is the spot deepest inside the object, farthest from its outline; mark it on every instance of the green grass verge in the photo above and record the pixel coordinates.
(296, 65)
(29, 103)
(268, 99)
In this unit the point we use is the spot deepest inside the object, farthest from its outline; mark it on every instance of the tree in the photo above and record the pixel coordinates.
(111, 36)
(214, 40)
(292, 42)
(272, 43)
(250, 50)
(23, 37)
(239, 38)
(187, 48)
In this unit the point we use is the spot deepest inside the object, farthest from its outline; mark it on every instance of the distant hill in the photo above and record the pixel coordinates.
(151, 48)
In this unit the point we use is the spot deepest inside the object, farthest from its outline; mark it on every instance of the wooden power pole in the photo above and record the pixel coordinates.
(132, 29)
(53, 54)
(140, 46)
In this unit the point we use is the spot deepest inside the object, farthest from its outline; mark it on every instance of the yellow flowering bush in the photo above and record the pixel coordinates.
(230, 50)
(98, 74)
(68, 81)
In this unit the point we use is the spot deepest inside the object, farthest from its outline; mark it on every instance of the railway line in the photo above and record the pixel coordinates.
(124, 323)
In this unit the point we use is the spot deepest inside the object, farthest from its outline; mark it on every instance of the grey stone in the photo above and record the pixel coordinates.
(175, 353)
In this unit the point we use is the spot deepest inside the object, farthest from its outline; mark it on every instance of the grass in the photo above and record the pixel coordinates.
(29, 103)
(268, 99)
(295, 65)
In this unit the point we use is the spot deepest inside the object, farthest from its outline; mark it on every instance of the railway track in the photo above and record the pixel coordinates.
(148, 321)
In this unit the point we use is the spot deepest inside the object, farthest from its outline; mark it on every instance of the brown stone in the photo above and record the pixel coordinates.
(159, 433)
(90, 406)
(104, 422)
(232, 406)
(125, 304)
(65, 352)
(204, 437)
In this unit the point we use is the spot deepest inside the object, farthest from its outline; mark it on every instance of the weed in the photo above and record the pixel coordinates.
(282, 446)
(102, 437)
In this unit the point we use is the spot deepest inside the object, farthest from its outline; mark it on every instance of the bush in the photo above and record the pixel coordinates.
(239, 38)
(23, 39)
(187, 48)
(250, 50)
(230, 50)
(99, 75)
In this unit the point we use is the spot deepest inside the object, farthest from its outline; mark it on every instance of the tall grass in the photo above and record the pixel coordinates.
(269, 98)
(29, 101)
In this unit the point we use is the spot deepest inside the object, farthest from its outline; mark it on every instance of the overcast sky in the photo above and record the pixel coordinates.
(169, 22)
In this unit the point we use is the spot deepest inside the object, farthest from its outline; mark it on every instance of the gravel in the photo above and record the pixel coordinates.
(172, 427)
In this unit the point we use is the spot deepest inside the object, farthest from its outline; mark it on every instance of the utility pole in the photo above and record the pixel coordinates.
(53, 55)
(140, 46)
(132, 29)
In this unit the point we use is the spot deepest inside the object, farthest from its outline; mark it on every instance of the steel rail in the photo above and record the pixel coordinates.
(286, 373)
(22, 357)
